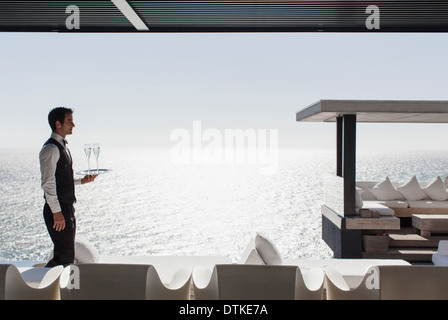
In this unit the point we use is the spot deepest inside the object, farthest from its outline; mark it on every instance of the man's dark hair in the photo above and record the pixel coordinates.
(58, 114)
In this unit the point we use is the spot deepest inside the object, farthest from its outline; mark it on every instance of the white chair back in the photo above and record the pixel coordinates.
(177, 289)
(105, 282)
(310, 284)
(338, 289)
(413, 282)
(14, 287)
(256, 282)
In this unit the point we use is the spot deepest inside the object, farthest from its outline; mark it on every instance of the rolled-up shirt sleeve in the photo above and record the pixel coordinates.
(49, 157)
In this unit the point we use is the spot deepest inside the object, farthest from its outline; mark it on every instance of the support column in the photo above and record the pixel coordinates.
(349, 163)
(344, 243)
(339, 133)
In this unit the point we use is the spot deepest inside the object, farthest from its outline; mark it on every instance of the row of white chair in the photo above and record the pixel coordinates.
(94, 281)
(225, 282)
(138, 282)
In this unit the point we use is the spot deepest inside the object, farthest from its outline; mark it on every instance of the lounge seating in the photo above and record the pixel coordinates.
(441, 257)
(14, 287)
(121, 282)
(256, 282)
(403, 199)
(261, 273)
(338, 289)
(386, 280)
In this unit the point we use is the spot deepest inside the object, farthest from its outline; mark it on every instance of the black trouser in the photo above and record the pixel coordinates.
(64, 240)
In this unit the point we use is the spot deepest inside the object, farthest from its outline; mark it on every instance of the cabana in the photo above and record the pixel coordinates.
(342, 228)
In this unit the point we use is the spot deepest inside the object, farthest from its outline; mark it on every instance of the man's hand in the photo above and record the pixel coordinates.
(59, 221)
(88, 178)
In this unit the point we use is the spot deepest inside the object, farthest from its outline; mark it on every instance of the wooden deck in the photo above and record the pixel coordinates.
(406, 241)
(409, 245)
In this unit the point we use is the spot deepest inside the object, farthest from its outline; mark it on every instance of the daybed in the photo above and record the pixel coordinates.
(403, 199)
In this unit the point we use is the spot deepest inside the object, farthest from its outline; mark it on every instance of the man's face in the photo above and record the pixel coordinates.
(67, 127)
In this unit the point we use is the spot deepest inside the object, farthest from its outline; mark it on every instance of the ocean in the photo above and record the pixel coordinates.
(148, 205)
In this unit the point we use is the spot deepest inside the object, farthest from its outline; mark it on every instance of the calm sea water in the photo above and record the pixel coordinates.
(149, 206)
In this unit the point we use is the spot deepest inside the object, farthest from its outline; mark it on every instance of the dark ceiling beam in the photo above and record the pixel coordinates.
(227, 16)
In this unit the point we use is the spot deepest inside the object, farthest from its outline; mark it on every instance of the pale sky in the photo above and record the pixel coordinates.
(135, 89)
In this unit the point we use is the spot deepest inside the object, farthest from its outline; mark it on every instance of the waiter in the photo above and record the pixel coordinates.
(58, 183)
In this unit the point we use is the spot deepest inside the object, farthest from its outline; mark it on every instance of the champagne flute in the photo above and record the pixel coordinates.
(88, 151)
(96, 152)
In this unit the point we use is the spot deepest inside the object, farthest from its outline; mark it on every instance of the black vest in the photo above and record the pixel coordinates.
(65, 184)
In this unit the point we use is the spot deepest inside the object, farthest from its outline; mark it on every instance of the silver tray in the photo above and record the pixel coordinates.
(93, 171)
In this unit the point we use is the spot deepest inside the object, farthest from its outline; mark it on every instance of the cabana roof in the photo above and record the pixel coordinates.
(405, 111)
(224, 16)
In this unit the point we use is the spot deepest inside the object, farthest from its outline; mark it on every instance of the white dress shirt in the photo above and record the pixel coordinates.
(49, 157)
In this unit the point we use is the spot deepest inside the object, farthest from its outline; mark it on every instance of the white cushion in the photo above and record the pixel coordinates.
(436, 190)
(443, 247)
(421, 204)
(412, 190)
(250, 254)
(439, 259)
(267, 250)
(85, 252)
(394, 203)
(358, 199)
(365, 186)
(253, 258)
(385, 190)
(377, 207)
